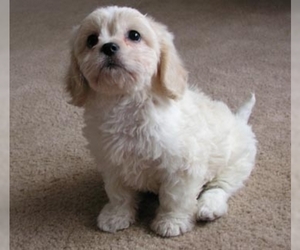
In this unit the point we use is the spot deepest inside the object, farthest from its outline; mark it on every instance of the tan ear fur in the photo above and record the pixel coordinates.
(172, 76)
(76, 84)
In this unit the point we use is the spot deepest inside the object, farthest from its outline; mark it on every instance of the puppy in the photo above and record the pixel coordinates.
(148, 130)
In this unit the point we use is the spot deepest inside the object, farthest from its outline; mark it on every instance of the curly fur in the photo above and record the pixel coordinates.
(149, 131)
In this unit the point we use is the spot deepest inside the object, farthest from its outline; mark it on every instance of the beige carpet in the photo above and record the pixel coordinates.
(295, 167)
(230, 48)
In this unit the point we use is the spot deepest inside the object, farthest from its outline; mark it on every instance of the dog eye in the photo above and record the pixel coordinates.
(134, 35)
(92, 40)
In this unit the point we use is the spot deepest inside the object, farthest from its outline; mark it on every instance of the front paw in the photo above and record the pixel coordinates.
(168, 226)
(112, 219)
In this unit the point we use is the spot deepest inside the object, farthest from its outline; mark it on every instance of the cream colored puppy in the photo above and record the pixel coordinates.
(148, 130)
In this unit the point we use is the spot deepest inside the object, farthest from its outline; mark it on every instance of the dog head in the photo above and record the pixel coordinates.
(117, 50)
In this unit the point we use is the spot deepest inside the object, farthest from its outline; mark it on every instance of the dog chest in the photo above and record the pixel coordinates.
(132, 134)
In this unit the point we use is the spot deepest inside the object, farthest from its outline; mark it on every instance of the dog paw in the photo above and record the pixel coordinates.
(212, 205)
(168, 226)
(112, 219)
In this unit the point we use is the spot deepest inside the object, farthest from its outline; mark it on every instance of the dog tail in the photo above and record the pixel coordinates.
(244, 112)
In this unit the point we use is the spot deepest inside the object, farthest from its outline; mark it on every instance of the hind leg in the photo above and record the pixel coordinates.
(212, 203)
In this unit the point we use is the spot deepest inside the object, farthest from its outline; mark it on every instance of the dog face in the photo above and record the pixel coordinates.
(120, 51)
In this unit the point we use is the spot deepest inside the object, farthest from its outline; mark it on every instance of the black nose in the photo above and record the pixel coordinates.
(110, 49)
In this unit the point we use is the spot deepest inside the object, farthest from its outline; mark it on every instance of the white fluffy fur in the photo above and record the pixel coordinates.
(150, 132)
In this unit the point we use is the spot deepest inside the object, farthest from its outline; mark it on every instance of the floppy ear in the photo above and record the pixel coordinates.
(76, 84)
(172, 77)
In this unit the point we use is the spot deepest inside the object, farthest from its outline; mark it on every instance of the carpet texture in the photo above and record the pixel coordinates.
(231, 48)
(295, 140)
